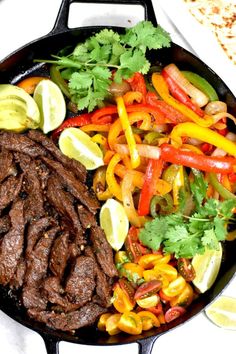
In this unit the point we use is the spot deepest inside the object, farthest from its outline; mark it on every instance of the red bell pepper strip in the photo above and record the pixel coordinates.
(171, 114)
(137, 83)
(77, 121)
(201, 162)
(153, 172)
(139, 107)
(180, 95)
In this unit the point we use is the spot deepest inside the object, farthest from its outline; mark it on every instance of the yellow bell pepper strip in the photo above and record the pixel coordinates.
(206, 163)
(153, 172)
(134, 155)
(193, 130)
(99, 184)
(130, 323)
(96, 127)
(178, 184)
(112, 183)
(162, 89)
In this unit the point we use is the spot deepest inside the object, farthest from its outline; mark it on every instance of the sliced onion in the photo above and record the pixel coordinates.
(197, 96)
(219, 152)
(149, 151)
(215, 107)
(219, 116)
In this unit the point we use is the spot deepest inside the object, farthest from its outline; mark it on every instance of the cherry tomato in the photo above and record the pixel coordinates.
(122, 302)
(175, 287)
(132, 245)
(132, 271)
(127, 288)
(112, 324)
(130, 323)
(147, 289)
(121, 257)
(167, 270)
(164, 259)
(157, 310)
(164, 298)
(150, 301)
(148, 319)
(150, 274)
(173, 313)
(147, 261)
(185, 298)
(186, 269)
(102, 321)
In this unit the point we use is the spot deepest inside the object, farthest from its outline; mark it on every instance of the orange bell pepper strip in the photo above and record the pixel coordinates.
(162, 89)
(193, 130)
(30, 83)
(131, 96)
(124, 120)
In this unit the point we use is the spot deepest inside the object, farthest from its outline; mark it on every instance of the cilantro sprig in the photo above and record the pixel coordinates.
(185, 236)
(89, 68)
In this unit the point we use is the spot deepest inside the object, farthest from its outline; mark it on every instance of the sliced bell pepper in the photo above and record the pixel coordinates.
(162, 89)
(58, 79)
(30, 83)
(223, 192)
(180, 95)
(193, 130)
(202, 84)
(134, 155)
(77, 121)
(131, 96)
(153, 172)
(137, 83)
(161, 204)
(188, 158)
(112, 183)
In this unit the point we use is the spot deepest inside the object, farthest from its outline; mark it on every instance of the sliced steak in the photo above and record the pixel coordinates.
(37, 266)
(80, 283)
(55, 195)
(73, 185)
(7, 166)
(9, 190)
(18, 279)
(85, 316)
(59, 254)
(35, 230)
(103, 251)
(74, 166)
(11, 247)
(34, 202)
(87, 218)
(56, 295)
(5, 224)
(21, 143)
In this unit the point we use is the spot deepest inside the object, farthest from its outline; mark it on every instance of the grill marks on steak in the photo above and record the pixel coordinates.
(51, 248)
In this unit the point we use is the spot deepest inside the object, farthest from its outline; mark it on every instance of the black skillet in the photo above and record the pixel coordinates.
(19, 65)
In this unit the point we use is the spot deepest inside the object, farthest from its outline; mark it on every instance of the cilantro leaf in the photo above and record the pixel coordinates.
(153, 232)
(198, 187)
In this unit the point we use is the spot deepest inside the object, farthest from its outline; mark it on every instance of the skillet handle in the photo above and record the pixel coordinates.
(146, 344)
(61, 23)
(51, 344)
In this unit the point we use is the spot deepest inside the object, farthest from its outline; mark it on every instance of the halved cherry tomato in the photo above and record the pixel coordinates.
(122, 302)
(150, 274)
(132, 245)
(132, 271)
(147, 289)
(147, 261)
(148, 319)
(130, 323)
(175, 287)
(161, 318)
(102, 321)
(112, 324)
(164, 259)
(128, 289)
(173, 313)
(150, 301)
(167, 270)
(186, 269)
(157, 310)
(164, 298)
(185, 298)
(121, 257)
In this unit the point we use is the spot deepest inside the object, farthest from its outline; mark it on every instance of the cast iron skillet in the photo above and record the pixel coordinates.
(19, 65)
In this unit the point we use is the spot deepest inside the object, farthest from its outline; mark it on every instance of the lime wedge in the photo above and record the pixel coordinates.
(222, 312)
(78, 145)
(114, 222)
(207, 267)
(51, 104)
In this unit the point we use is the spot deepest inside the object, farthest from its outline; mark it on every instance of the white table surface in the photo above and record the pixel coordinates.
(20, 22)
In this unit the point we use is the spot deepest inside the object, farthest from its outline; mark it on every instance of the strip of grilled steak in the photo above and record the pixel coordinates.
(103, 251)
(56, 194)
(21, 143)
(59, 254)
(73, 185)
(17, 281)
(7, 167)
(5, 224)
(9, 190)
(12, 244)
(80, 283)
(87, 218)
(74, 166)
(70, 321)
(35, 230)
